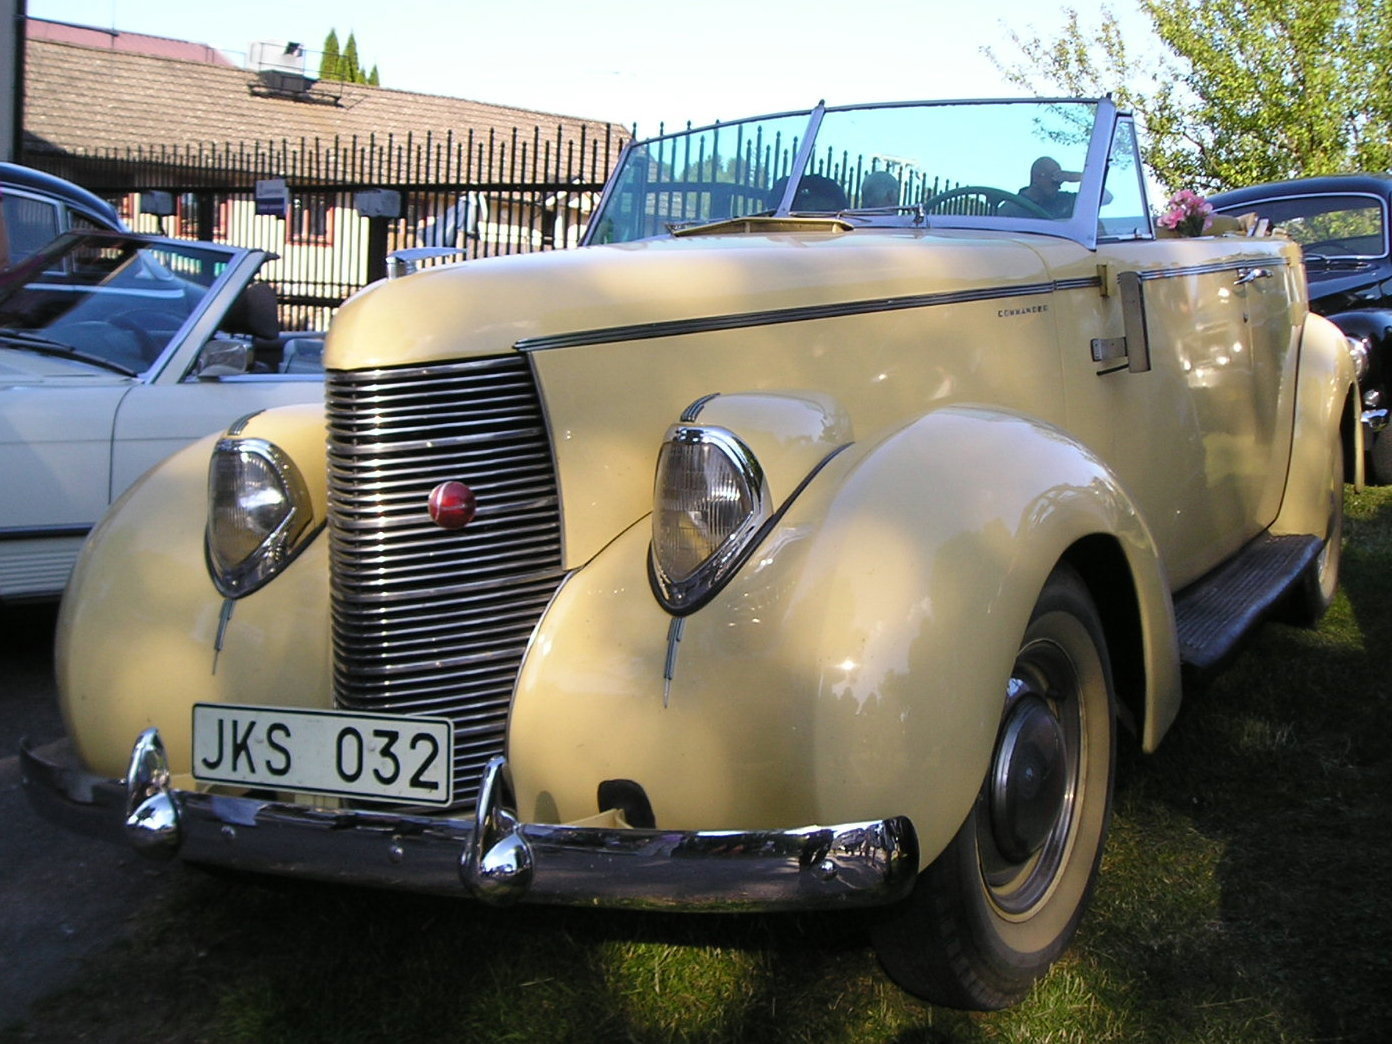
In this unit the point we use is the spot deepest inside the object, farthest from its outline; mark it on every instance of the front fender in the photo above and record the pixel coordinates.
(143, 634)
(856, 666)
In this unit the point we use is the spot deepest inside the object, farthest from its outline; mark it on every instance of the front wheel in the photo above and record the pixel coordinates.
(1000, 904)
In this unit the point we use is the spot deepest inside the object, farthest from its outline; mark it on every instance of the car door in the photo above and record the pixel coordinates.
(157, 419)
(1186, 387)
(54, 451)
(1179, 372)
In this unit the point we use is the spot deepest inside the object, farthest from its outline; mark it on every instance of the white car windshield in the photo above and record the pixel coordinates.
(106, 299)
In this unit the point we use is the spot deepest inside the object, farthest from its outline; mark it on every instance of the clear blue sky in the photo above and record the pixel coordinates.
(629, 61)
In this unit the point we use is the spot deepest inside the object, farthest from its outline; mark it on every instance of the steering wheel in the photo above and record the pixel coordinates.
(151, 327)
(994, 196)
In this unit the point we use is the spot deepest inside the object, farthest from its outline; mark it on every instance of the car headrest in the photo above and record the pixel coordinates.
(254, 313)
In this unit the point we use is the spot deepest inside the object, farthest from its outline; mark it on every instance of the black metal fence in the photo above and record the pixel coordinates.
(483, 193)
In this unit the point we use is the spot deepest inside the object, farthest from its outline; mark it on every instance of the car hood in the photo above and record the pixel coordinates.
(1335, 281)
(602, 326)
(19, 367)
(487, 307)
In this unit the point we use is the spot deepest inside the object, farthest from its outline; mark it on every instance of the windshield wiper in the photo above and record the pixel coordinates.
(47, 346)
(1337, 261)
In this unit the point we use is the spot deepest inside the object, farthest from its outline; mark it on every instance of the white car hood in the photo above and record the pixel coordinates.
(21, 368)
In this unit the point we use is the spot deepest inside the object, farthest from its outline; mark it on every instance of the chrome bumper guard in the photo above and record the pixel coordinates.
(492, 857)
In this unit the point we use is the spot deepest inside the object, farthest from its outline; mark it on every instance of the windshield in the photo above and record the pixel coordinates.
(947, 164)
(1346, 225)
(110, 299)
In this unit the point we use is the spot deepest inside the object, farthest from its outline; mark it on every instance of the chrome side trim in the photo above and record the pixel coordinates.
(1242, 265)
(744, 320)
(491, 856)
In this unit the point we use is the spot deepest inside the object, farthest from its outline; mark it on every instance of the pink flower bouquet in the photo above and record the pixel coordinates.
(1189, 214)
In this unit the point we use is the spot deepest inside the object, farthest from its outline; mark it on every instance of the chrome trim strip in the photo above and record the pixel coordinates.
(1241, 265)
(693, 411)
(771, 317)
(489, 855)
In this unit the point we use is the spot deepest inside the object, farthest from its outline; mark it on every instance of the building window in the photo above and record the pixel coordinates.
(310, 220)
(187, 215)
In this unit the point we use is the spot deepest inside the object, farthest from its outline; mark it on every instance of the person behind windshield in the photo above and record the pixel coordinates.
(1045, 191)
(879, 189)
(814, 193)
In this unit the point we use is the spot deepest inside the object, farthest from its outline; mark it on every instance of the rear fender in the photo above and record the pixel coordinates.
(1322, 400)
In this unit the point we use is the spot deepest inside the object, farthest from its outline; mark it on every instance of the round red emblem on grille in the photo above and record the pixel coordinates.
(452, 505)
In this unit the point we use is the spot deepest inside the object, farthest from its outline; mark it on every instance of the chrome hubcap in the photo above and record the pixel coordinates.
(1022, 840)
(1029, 779)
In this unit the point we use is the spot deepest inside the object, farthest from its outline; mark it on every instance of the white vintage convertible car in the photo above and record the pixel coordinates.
(116, 350)
(808, 539)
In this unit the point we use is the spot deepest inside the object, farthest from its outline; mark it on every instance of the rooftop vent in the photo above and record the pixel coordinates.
(279, 66)
(277, 56)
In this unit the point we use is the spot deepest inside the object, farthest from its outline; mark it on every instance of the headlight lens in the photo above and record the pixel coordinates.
(709, 502)
(259, 514)
(1358, 348)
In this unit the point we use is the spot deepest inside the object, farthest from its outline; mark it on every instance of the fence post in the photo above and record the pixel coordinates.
(377, 229)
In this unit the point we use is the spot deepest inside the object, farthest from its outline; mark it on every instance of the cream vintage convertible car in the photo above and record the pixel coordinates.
(806, 540)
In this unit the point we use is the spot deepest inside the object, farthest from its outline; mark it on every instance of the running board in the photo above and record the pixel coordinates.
(1214, 614)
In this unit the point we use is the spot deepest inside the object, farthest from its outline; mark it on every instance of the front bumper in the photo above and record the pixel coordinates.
(492, 856)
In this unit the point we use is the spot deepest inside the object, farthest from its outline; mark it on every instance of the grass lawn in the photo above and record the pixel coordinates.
(1238, 903)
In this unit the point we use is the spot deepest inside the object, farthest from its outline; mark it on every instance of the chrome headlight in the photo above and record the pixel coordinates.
(1358, 348)
(259, 514)
(709, 502)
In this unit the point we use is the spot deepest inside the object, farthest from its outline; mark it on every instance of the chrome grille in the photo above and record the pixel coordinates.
(428, 621)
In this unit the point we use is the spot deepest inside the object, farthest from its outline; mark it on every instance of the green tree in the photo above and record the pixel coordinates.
(350, 71)
(329, 63)
(1244, 91)
(344, 66)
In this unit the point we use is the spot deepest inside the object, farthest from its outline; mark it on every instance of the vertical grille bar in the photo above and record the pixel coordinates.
(428, 621)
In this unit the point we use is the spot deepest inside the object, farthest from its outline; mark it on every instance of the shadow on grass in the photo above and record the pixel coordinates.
(1243, 891)
(241, 959)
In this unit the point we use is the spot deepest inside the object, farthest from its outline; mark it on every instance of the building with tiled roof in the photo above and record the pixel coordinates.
(135, 91)
(187, 143)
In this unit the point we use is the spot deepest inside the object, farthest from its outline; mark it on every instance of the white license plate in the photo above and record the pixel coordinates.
(382, 756)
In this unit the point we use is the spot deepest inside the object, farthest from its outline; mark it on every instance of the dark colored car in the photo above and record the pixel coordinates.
(1341, 224)
(38, 207)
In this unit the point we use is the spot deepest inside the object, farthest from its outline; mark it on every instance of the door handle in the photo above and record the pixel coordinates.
(1251, 275)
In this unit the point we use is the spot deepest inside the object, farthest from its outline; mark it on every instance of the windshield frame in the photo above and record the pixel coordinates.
(1081, 226)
